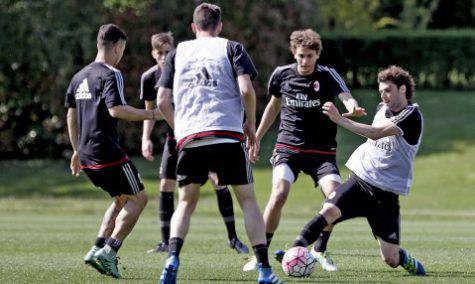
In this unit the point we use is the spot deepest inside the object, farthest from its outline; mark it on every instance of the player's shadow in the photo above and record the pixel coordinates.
(355, 254)
(448, 274)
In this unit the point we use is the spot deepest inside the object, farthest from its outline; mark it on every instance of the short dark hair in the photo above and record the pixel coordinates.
(399, 77)
(207, 16)
(160, 39)
(110, 34)
(307, 39)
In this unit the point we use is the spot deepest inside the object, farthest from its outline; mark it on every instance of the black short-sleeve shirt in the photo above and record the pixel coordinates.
(148, 88)
(303, 126)
(409, 120)
(239, 58)
(92, 91)
(148, 81)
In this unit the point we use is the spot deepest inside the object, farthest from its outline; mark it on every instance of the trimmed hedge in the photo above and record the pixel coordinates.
(436, 59)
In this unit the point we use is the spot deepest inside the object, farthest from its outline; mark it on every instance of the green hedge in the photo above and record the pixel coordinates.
(437, 59)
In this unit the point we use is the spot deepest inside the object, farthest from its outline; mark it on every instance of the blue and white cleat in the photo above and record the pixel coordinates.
(237, 245)
(412, 265)
(170, 270)
(266, 276)
(279, 255)
(325, 260)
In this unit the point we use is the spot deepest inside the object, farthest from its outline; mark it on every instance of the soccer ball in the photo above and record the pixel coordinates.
(298, 262)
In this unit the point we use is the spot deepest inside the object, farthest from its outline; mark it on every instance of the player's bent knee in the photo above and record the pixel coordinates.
(330, 212)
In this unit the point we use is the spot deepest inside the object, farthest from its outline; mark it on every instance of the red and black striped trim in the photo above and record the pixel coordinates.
(214, 133)
(100, 166)
(293, 149)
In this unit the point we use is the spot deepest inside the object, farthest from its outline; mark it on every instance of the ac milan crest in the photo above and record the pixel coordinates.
(316, 86)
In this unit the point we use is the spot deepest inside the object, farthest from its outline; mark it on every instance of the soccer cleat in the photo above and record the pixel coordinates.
(236, 244)
(106, 259)
(325, 260)
(250, 265)
(170, 270)
(412, 265)
(279, 255)
(161, 247)
(266, 276)
(89, 260)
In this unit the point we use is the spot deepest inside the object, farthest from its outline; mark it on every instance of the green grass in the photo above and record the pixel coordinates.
(48, 219)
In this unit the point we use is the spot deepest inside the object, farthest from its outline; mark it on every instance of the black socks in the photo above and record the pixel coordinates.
(225, 204)
(175, 245)
(261, 255)
(321, 244)
(311, 231)
(100, 242)
(166, 212)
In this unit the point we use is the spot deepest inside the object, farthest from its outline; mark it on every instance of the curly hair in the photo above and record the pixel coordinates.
(306, 38)
(399, 77)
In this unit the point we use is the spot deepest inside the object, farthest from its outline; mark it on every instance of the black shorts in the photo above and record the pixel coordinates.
(229, 161)
(316, 166)
(117, 180)
(357, 198)
(169, 159)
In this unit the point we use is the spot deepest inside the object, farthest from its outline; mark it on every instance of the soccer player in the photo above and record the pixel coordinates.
(306, 139)
(162, 43)
(212, 88)
(95, 101)
(381, 170)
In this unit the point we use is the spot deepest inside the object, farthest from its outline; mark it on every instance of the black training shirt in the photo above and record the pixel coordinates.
(92, 91)
(303, 126)
(148, 88)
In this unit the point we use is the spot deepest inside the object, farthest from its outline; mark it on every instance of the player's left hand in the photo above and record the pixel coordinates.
(330, 110)
(75, 165)
(355, 112)
(252, 143)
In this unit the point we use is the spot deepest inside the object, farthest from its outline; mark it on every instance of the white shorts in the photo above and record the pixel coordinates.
(283, 171)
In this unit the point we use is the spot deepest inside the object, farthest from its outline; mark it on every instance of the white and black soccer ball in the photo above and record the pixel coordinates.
(298, 262)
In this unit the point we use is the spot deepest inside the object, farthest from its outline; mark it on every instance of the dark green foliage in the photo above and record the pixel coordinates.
(437, 59)
(43, 43)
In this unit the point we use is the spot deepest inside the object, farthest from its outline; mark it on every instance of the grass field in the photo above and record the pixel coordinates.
(48, 219)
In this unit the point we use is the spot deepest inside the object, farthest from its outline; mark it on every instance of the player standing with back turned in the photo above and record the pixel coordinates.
(212, 88)
(162, 44)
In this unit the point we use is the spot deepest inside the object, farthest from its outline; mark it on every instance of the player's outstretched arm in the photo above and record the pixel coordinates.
(354, 110)
(270, 113)
(130, 113)
(165, 105)
(248, 96)
(368, 131)
(71, 118)
(147, 145)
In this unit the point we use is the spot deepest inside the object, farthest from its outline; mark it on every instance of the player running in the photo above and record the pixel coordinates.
(212, 88)
(162, 44)
(95, 101)
(382, 169)
(306, 140)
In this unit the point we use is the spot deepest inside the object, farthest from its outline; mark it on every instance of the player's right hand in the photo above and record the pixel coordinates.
(147, 149)
(252, 142)
(75, 165)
